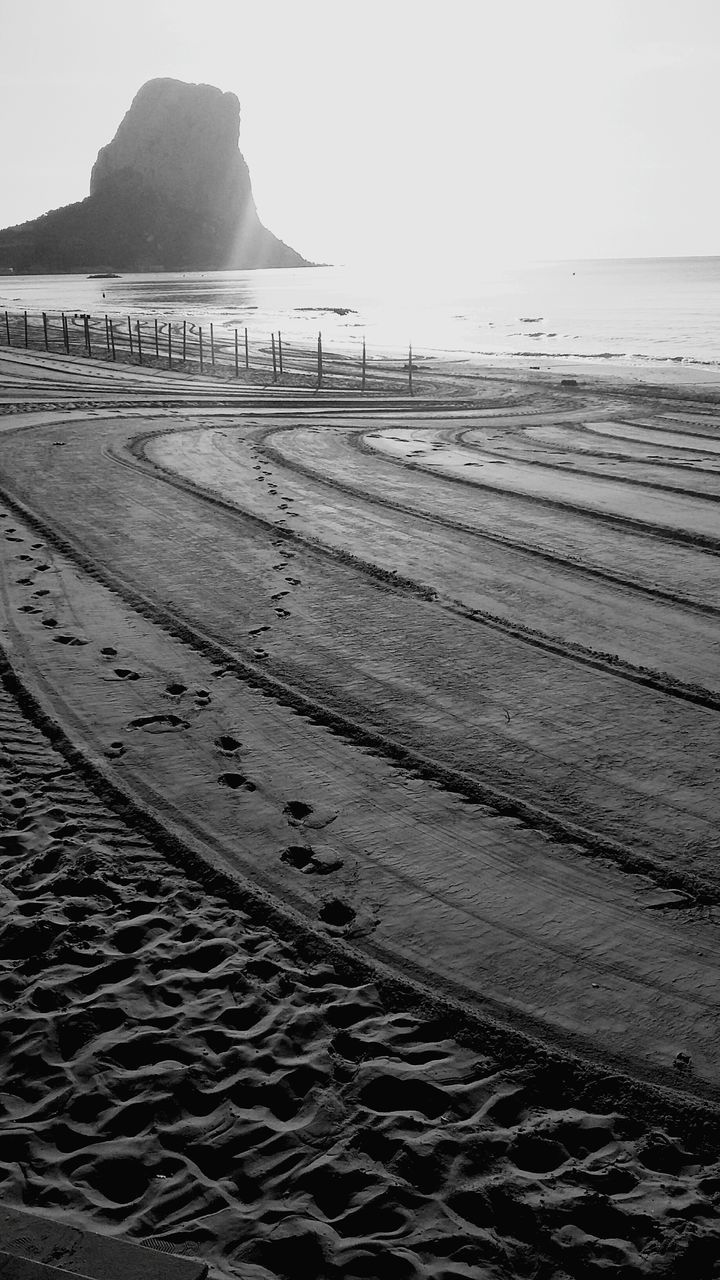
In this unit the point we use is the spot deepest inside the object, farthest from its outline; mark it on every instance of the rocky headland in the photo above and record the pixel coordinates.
(171, 192)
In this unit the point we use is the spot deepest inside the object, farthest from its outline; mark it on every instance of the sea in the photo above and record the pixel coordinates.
(623, 311)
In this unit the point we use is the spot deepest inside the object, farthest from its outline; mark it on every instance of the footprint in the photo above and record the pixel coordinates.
(279, 567)
(310, 861)
(298, 810)
(115, 750)
(294, 582)
(69, 640)
(175, 690)
(11, 538)
(49, 622)
(260, 653)
(336, 913)
(256, 631)
(107, 652)
(227, 743)
(42, 568)
(202, 697)
(28, 608)
(24, 582)
(124, 673)
(279, 595)
(24, 557)
(159, 724)
(42, 592)
(296, 855)
(283, 613)
(236, 782)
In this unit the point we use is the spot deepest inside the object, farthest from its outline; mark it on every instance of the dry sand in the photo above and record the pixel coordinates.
(359, 821)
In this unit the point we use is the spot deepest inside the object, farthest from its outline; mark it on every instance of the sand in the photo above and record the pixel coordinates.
(359, 821)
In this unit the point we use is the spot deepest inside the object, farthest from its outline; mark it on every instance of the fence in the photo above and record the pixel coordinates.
(186, 346)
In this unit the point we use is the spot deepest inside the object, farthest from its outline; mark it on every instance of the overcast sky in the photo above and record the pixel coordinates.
(455, 131)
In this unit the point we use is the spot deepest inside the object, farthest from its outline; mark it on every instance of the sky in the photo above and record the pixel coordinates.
(452, 132)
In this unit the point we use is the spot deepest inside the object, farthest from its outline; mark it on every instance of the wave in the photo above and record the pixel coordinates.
(535, 354)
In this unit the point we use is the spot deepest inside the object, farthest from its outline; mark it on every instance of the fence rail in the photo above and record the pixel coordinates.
(184, 345)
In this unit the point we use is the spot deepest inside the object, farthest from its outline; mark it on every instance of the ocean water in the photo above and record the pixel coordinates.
(623, 310)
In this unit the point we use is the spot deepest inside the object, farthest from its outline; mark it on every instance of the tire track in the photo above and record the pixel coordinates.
(550, 557)
(611, 663)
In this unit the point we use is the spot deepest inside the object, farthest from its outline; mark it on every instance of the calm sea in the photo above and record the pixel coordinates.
(629, 310)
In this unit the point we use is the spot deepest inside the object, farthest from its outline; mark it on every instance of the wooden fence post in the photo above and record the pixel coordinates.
(87, 336)
(237, 371)
(112, 339)
(280, 351)
(410, 370)
(247, 354)
(201, 350)
(7, 329)
(212, 344)
(132, 351)
(363, 367)
(66, 335)
(169, 345)
(274, 360)
(139, 340)
(26, 328)
(319, 358)
(45, 332)
(157, 345)
(107, 337)
(184, 339)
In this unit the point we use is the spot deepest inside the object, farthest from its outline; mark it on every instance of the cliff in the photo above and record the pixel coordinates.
(171, 192)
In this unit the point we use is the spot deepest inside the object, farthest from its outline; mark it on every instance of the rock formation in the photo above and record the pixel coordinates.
(171, 192)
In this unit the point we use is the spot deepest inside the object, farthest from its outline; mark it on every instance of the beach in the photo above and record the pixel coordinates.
(359, 788)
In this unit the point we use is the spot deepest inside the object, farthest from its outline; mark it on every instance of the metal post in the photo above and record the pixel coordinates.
(237, 372)
(274, 360)
(319, 381)
(212, 344)
(280, 351)
(132, 352)
(247, 355)
(363, 366)
(169, 345)
(112, 339)
(139, 340)
(184, 339)
(45, 332)
(157, 346)
(201, 353)
(26, 329)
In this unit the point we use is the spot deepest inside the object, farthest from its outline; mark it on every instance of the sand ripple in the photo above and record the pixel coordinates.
(173, 1071)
